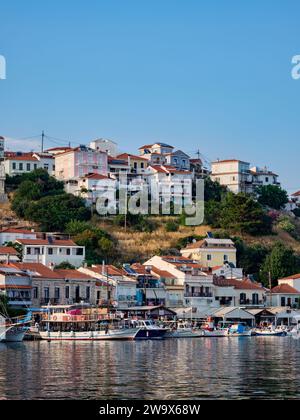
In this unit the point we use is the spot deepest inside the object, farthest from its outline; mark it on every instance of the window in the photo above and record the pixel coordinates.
(267, 179)
(46, 167)
(88, 293)
(28, 251)
(226, 258)
(35, 293)
(79, 251)
(282, 301)
(57, 292)
(142, 165)
(208, 257)
(243, 298)
(14, 166)
(28, 167)
(37, 251)
(67, 292)
(46, 293)
(50, 251)
(255, 299)
(21, 166)
(35, 166)
(135, 165)
(68, 251)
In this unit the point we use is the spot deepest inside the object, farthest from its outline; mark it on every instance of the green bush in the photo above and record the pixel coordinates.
(285, 224)
(172, 226)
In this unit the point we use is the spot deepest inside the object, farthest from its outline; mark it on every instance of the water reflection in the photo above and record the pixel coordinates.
(260, 367)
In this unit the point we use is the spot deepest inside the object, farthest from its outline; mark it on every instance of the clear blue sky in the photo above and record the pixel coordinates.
(213, 75)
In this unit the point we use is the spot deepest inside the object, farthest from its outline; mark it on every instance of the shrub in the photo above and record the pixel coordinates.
(171, 226)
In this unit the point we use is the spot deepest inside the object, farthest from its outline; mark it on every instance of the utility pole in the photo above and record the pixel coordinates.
(43, 139)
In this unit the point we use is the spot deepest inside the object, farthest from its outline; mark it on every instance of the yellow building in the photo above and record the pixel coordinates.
(211, 252)
(137, 164)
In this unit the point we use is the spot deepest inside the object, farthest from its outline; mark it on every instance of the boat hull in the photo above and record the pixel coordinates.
(151, 334)
(184, 334)
(128, 334)
(215, 333)
(13, 335)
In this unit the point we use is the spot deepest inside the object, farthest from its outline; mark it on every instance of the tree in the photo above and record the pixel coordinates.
(272, 196)
(280, 262)
(212, 212)
(65, 265)
(213, 190)
(242, 214)
(53, 213)
(250, 257)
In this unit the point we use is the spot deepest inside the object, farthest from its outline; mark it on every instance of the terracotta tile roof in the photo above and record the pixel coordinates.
(73, 274)
(57, 149)
(22, 158)
(162, 273)
(292, 277)
(46, 242)
(285, 289)
(41, 270)
(21, 231)
(296, 194)
(238, 284)
(111, 270)
(195, 245)
(96, 176)
(4, 250)
(229, 160)
(128, 155)
(15, 287)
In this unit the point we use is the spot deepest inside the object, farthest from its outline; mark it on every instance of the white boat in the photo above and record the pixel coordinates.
(216, 332)
(183, 330)
(270, 331)
(13, 330)
(295, 333)
(111, 334)
(239, 330)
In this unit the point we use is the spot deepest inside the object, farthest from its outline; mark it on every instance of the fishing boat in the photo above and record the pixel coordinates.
(14, 330)
(210, 330)
(183, 330)
(148, 330)
(270, 331)
(239, 330)
(295, 333)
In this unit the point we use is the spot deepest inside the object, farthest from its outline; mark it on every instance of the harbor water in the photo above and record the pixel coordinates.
(204, 368)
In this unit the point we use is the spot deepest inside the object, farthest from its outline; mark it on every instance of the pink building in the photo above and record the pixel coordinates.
(79, 162)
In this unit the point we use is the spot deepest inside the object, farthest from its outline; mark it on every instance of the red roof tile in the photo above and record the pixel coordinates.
(5, 250)
(46, 242)
(285, 289)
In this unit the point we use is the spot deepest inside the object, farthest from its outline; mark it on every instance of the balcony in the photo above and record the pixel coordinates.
(198, 295)
(246, 302)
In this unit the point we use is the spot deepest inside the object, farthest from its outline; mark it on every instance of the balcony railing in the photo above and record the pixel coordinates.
(200, 295)
(250, 302)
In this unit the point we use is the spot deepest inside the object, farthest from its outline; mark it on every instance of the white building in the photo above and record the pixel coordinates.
(16, 285)
(123, 288)
(237, 176)
(20, 163)
(52, 252)
(11, 235)
(232, 173)
(284, 295)
(169, 184)
(8, 254)
(105, 145)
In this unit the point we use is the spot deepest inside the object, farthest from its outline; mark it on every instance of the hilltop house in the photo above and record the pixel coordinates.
(78, 162)
(237, 176)
(211, 252)
(11, 235)
(51, 252)
(169, 184)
